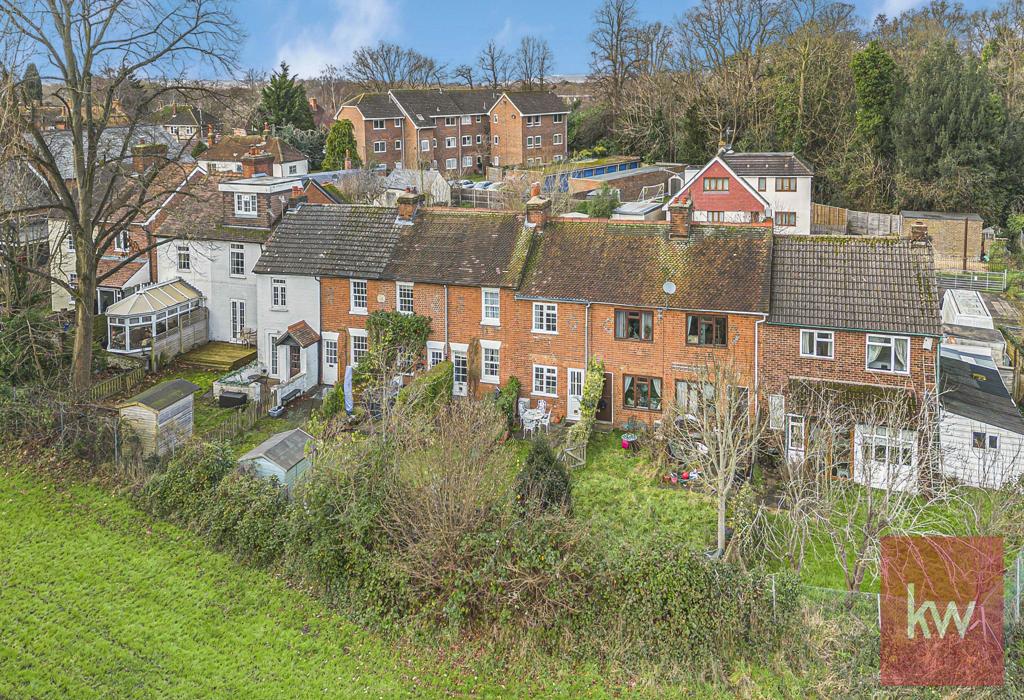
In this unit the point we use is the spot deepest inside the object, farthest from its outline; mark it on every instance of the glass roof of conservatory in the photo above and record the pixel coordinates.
(158, 297)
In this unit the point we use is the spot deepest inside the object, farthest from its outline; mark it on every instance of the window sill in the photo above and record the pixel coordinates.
(887, 371)
(184, 269)
(540, 332)
(634, 340)
(246, 216)
(640, 408)
(278, 308)
(237, 277)
(816, 357)
(488, 380)
(538, 393)
(359, 312)
(491, 322)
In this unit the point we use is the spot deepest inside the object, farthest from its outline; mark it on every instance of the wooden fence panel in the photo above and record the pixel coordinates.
(241, 422)
(115, 385)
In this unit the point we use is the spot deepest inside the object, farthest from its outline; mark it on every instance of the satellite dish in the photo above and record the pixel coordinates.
(669, 287)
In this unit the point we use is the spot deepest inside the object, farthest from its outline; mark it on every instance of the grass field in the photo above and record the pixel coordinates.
(99, 601)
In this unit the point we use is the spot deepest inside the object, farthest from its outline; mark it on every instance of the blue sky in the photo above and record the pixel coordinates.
(310, 33)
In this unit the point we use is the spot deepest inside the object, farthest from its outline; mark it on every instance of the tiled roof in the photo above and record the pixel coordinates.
(628, 263)
(112, 143)
(770, 164)
(302, 333)
(423, 106)
(872, 284)
(195, 213)
(376, 105)
(940, 215)
(332, 240)
(230, 149)
(189, 116)
(461, 248)
(538, 102)
(120, 278)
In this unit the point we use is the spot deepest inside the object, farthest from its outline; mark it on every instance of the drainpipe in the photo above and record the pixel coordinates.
(446, 319)
(586, 338)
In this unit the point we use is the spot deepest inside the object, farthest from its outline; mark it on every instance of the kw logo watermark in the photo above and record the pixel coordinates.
(942, 611)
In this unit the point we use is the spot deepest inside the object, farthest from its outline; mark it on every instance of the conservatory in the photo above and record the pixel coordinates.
(168, 318)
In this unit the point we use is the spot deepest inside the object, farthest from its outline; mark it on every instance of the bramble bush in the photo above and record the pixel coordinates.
(245, 517)
(182, 492)
(543, 481)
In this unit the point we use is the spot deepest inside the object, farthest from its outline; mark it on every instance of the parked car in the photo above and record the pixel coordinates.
(483, 185)
(461, 183)
(495, 186)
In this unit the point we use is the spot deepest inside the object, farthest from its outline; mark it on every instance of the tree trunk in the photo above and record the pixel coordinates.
(81, 362)
(722, 499)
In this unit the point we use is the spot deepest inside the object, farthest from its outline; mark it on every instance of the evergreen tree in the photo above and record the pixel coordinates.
(32, 84)
(283, 102)
(875, 83)
(341, 143)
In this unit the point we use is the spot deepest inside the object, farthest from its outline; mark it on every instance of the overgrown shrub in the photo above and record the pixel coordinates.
(508, 397)
(245, 515)
(182, 491)
(429, 391)
(334, 401)
(33, 349)
(543, 481)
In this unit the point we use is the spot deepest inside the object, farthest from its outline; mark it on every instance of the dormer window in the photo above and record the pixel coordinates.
(245, 205)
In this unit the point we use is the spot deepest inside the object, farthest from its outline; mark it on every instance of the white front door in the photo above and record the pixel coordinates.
(330, 358)
(575, 394)
(237, 318)
(460, 382)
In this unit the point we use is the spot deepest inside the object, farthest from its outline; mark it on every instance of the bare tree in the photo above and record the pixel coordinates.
(613, 55)
(92, 49)
(653, 45)
(388, 66)
(464, 72)
(493, 64)
(532, 62)
(716, 431)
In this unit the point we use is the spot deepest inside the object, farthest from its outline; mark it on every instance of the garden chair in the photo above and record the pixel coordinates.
(542, 405)
(529, 426)
(545, 420)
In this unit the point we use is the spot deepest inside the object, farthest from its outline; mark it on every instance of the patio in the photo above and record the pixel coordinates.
(220, 356)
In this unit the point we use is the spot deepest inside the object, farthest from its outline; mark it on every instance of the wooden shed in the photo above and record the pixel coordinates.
(161, 416)
(282, 455)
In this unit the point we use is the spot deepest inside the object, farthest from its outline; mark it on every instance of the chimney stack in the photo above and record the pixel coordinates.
(348, 163)
(408, 203)
(145, 155)
(313, 104)
(210, 138)
(257, 162)
(680, 213)
(535, 190)
(538, 209)
(919, 232)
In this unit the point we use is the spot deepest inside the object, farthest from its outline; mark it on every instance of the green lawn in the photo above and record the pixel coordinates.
(99, 601)
(616, 490)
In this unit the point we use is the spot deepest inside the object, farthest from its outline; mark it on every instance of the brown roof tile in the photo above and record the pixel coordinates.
(231, 148)
(610, 262)
(302, 333)
(120, 278)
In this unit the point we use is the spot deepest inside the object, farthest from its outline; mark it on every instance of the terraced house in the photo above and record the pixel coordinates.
(459, 132)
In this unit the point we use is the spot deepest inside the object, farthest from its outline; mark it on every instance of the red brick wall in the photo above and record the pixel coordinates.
(458, 131)
(738, 198)
(269, 208)
(512, 131)
(780, 361)
(667, 357)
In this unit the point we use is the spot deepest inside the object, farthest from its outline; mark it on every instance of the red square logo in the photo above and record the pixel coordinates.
(942, 611)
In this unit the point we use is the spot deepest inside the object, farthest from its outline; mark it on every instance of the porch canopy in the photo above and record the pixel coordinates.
(133, 322)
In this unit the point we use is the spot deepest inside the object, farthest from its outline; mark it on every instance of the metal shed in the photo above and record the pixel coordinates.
(161, 416)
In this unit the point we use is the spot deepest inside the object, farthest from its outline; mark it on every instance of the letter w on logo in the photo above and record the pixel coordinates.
(917, 616)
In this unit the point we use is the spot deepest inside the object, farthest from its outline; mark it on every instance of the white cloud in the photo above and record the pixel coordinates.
(337, 33)
(893, 8)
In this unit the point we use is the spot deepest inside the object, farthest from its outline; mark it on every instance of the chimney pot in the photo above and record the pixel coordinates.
(257, 162)
(145, 155)
(535, 190)
(348, 163)
(919, 232)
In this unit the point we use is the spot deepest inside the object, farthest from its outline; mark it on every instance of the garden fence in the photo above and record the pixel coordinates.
(115, 385)
(240, 422)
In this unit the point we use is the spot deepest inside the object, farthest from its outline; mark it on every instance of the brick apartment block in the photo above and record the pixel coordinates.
(459, 132)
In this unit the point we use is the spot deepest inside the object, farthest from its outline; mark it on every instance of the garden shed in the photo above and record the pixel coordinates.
(282, 455)
(161, 416)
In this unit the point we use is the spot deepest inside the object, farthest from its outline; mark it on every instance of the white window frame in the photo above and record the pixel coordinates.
(467, 140)
(817, 336)
(557, 118)
(891, 342)
(449, 121)
(557, 139)
(451, 163)
(236, 250)
(435, 353)
(398, 122)
(989, 438)
(466, 119)
(353, 334)
(529, 142)
(183, 254)
(537, 141)
(380, 146)
(399, 288)
(449, 142)
(330, 348)
(398, 144)
(278, 293)
(548, 372)
(122, 243)
(490, 346)
(547, 310)
(424, 145)
(467, 161)
(272, 336)
(354, 308)
(246, 205)
(479, 139)
(378, 124)
(494, 317)
(496, 140)
(792, 420)
(70, 243)
(460, 351)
